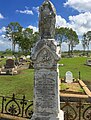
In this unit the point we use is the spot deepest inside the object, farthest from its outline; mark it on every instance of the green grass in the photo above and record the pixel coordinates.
(63, 86)
(22, 84)
(3, 61)
(75, 65)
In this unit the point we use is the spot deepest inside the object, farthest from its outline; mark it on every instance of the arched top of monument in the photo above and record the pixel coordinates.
(50, 5)
(47, 20)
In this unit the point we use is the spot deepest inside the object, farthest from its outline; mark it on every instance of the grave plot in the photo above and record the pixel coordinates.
(74, 90)
(9, 67)
(75, 100)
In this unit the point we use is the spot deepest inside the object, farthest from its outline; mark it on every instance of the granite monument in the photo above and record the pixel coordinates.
(45, 56)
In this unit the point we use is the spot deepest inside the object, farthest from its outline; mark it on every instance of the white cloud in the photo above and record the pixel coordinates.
(60, 21)
(3, 29)
(35, 29)
(4, 43)
(80, 23)
(1, 16)
(26, 11)
(80, 5)
(36, 9)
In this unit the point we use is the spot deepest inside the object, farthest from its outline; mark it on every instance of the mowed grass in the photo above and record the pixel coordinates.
(75, 65)
(22, 84)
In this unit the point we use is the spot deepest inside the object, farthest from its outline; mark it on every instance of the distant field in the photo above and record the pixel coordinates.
(22, 84)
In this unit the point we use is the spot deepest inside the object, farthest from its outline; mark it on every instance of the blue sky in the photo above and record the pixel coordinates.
(75, 14)
(10, 10)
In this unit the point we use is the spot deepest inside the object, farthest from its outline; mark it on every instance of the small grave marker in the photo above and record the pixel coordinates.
(69, 77)
(88, 62)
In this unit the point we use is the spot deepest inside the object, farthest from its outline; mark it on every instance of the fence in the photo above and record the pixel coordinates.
(16, 107)
(79, 109)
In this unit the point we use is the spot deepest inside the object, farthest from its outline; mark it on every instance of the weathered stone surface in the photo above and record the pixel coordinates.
(10, 63)
(45, 56)
(47, 20)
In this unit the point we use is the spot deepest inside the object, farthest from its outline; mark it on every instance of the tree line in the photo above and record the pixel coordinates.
(86, 39)
(25, 38)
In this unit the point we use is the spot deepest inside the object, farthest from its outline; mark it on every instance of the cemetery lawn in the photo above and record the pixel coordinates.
(75, 65)
(22, 84)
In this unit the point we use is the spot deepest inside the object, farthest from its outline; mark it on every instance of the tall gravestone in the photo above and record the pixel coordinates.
(45, 56)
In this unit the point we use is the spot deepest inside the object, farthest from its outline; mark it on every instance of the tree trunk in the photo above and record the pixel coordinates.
(12, 47)
(69, 50)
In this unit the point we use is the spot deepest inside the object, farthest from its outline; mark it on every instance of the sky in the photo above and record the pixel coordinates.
(75, 14)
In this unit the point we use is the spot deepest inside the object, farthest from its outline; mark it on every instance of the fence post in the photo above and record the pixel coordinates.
(23, 105)
(3, 99)
(79, 75)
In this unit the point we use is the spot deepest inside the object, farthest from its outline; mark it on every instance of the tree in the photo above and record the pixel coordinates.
(67, 35)
(72, 40)
(84, 42)
(12, 32)
(26, 40)
(60, 35)
(86, 38)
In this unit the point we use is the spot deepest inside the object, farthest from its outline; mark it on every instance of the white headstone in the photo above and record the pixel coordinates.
(69, 77)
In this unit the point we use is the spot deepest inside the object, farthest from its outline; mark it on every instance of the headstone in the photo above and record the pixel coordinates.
(20, 59)
(10, 63)
(28, 56)
(9, 57)
(45, 56)
(69, 77)
(88, 62)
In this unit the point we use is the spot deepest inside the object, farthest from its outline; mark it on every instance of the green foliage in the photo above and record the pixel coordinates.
(13, 30)
(67, 35)
(8, 51)
(60, 34)
(63, 86)
(26, 40)
(86, 38)
(72, 39)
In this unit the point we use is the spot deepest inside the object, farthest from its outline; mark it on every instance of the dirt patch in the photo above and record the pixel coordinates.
(71, 88)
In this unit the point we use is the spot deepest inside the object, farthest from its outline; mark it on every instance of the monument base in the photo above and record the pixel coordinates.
(52, 117)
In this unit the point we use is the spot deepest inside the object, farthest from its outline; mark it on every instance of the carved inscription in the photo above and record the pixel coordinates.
(45, 86)
(45, 59)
